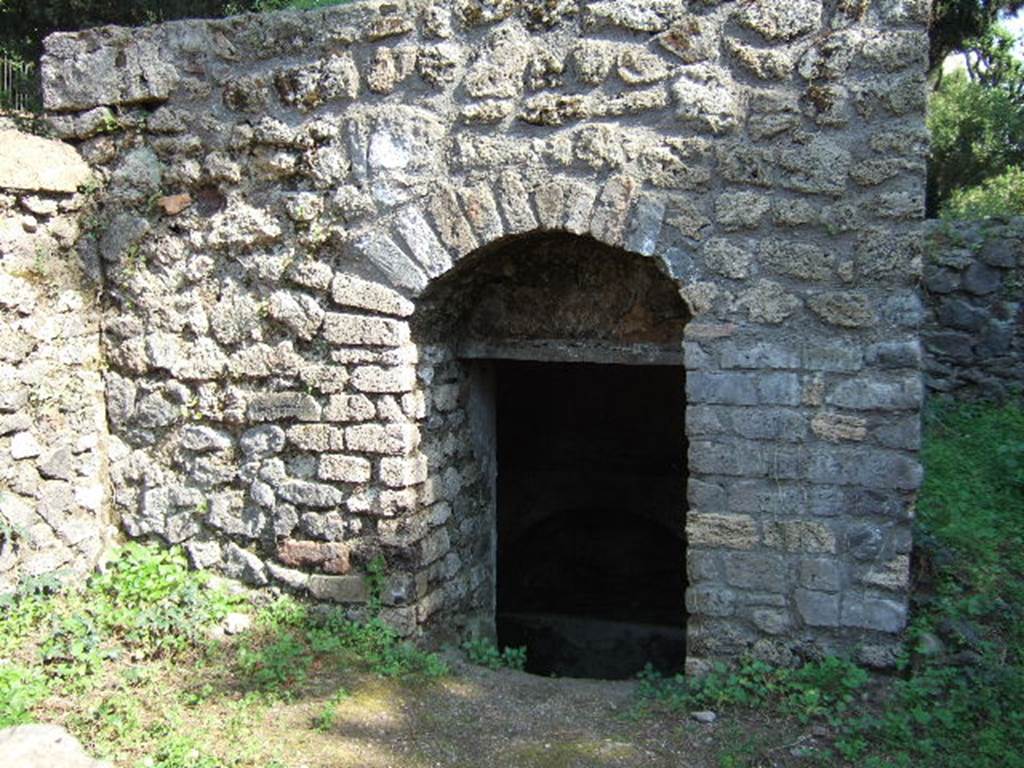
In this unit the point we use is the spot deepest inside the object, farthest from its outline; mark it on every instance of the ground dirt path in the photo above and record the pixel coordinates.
(478, 718)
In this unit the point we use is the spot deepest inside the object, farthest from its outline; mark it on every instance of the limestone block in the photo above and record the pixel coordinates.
(381, 251)
(820, 574)
(422, 242)
(351, 291)
(361, 330)
(706, 95)
(262, 442)
(864, 394)
(339, 589)
(345, 469)
(308, 494)
(41, 165)
(802, 536)
(319, 438)
(817, 609)
(244, 565)
(375, 379)
(879, 614)
(710, 600)
(393, 439)
(281, 406)
(349, 408)
(721, 531)
(44, 746)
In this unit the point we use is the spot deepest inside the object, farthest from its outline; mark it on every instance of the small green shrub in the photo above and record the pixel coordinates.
(486, 654)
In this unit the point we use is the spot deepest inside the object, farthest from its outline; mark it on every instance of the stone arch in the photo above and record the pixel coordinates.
(565, 319)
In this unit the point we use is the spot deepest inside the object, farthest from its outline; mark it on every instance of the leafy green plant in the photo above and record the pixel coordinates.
(325, 719)
(818, 690)
(483, 652)
(277, 667)
(21, 688)
(150, 599)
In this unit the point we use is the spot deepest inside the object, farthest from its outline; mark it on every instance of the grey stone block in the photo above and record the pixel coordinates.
(724, 388)
(283, 406)
(756, 570)
(981, 279)
(879, 614)
(817, 609)
(708, 600)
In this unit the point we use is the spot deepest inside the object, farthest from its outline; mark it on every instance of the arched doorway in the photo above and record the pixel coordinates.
(569, 353)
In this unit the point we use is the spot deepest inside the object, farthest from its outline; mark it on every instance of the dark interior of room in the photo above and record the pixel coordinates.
(591, 499)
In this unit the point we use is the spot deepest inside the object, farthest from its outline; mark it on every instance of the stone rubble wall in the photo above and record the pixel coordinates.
(54, 502)
(973, 332)
(279, 191)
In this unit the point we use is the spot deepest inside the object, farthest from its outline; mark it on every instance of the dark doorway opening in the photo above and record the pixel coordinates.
(591, 504)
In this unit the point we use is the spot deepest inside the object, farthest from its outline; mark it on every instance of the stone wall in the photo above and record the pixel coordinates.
(280, 191)
(974, 328)
(53, 493)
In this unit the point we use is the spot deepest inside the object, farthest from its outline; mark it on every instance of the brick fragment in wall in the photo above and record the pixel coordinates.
(328, 557)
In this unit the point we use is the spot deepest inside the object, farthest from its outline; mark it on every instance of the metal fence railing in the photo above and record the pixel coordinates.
(19, 85)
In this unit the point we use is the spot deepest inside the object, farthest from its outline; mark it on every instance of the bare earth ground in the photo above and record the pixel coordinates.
(500, 719)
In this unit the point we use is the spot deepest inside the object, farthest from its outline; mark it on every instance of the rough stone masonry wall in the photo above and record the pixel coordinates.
(53, 496)
(280, 189)
(973, 333)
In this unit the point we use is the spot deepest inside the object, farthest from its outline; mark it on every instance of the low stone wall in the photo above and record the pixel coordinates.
(53, 495)
(974, 328)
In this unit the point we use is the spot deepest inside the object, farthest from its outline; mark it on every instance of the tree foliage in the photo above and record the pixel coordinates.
(954, 22)
(977, 133)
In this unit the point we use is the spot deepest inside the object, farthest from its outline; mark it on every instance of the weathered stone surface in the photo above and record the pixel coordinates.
(781, 21)
(707, 96)
(44, 746)
(350, 291)
(359, 330)
(283, 406)
(33, 163)
(726, 531)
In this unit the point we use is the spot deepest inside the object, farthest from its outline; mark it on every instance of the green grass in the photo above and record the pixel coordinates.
(106, 660)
